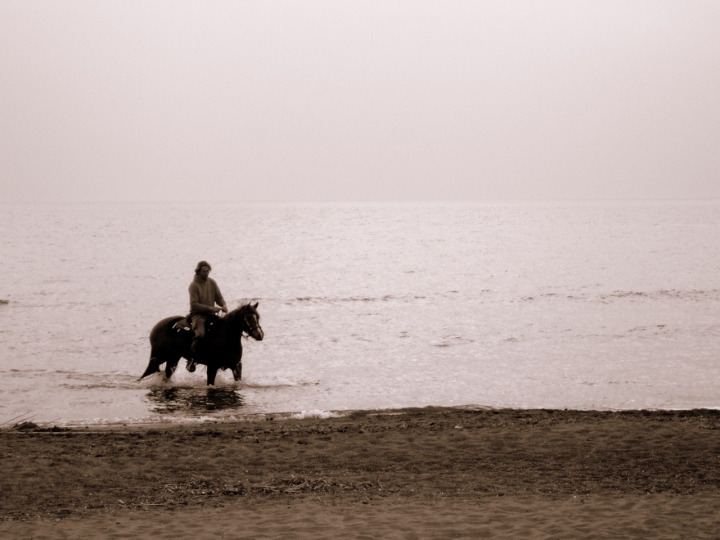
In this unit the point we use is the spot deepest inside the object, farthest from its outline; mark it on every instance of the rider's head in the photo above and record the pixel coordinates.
(203, 269)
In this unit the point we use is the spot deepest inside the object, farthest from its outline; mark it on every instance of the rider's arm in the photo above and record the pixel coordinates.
(219, 300)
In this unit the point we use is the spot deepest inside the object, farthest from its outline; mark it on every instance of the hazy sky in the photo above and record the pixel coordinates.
(359, 100)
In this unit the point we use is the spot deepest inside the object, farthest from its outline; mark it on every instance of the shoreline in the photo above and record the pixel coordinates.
(39, 426)
(413, 465)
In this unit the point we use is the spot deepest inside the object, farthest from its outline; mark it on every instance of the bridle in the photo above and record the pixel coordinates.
(253, 327)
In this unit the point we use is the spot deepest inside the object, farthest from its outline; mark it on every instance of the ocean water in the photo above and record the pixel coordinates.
(590, 306)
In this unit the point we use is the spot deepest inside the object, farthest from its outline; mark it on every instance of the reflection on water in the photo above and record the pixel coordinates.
(194, 400)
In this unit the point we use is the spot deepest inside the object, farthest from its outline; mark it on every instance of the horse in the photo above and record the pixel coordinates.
(221, 347)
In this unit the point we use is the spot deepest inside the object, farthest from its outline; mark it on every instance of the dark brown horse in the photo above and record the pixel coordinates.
(221, 347)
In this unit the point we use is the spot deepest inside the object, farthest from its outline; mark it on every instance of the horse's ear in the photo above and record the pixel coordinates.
(256, 305)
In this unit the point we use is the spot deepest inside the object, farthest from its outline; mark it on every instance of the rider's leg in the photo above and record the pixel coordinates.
(198, 326)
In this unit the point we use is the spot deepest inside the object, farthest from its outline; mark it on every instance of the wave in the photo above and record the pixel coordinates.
(279, 384)
(372, 299)
(451, 340)
(351, 299)
(659, 294)
(692, 294)
(180, 381)
(74, 379)
(91, 386)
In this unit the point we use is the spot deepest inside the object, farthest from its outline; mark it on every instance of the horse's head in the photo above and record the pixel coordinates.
(248, 319)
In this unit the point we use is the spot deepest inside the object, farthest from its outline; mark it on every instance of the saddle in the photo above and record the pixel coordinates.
(184, 324)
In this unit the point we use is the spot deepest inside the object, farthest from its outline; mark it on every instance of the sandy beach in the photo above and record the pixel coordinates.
(410, 473)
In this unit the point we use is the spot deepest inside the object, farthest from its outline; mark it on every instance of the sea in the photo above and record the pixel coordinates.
(577, 305)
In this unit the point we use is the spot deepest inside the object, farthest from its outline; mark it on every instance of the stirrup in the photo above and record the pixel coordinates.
(191, 365)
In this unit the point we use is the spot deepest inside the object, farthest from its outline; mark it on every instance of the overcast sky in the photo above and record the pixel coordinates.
(359, 100)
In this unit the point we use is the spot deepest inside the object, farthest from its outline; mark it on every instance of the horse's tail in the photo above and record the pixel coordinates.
(153, 367)
(166, 347)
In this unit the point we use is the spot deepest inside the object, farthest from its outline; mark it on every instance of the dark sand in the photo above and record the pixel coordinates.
(415, 473)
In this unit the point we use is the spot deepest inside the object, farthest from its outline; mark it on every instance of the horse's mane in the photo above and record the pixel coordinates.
(243, 308)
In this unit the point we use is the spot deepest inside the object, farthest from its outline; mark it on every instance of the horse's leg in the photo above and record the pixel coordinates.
(211, 372)
(237, 370)
(170, 367)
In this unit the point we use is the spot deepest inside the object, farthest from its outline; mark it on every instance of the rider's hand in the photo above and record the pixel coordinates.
(225, 309)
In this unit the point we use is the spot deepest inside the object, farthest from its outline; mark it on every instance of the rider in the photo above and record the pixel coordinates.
(204, 295)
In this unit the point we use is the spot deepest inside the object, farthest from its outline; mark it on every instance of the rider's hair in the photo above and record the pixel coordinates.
(200, 265)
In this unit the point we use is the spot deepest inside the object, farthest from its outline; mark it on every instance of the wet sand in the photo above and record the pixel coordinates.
(412, 473)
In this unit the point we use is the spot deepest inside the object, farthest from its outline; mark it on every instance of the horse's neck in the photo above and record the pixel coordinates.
(235, 322)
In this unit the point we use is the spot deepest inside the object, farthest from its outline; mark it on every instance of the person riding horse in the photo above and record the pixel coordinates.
(204, 295)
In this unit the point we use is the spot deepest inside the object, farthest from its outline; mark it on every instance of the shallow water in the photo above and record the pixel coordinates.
(364, 306)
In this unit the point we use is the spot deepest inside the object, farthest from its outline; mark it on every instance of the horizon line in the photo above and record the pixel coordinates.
(363, 201)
